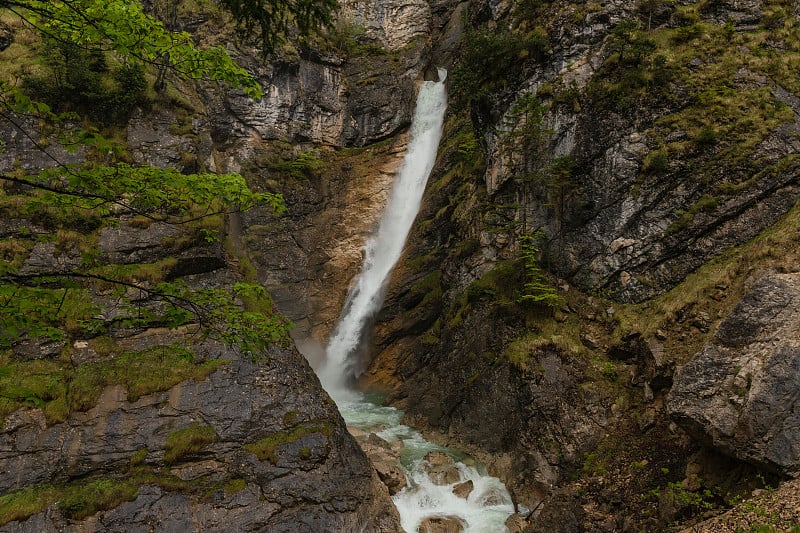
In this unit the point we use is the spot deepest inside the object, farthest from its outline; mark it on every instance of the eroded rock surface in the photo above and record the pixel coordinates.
(316, 475)
(741, 393)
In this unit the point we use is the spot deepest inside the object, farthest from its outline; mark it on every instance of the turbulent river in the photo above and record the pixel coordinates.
(485, 508)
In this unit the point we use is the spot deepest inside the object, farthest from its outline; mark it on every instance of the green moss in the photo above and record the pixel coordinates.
(139, 457)
(59, 388)
(267, 448)
(142, 372)
(187, 441)
(706, 203)
(84, 497)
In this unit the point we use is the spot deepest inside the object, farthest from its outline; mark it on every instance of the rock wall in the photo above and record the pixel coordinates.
(741, 393)
(578, 384)
(319, 478)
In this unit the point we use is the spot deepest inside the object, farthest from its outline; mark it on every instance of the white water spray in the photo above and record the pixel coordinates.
(384, 248)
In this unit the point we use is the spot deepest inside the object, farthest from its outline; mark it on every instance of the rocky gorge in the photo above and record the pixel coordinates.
(650, 148)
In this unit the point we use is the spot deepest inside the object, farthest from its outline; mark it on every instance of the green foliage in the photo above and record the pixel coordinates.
(536, 289)
(80, 79)
(656, 162)
(303, 167)
(344, 35)
(163, 194)
(526, 141)
(490, 59)
(633, 70)
(273, 21)
(187, 441)
(528, 10)
(122, 27)
(41, 312)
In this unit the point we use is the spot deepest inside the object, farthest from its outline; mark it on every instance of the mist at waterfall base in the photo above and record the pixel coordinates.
(486, 508)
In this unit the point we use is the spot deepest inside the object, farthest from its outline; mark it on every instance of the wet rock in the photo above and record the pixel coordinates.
(242, 402)
(441, 468)
(464, 489)
(385, 460)
(442, 524)
(739, 394)
(439, 458)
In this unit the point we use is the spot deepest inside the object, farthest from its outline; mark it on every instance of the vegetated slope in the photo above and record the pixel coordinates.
(650, 149)
(130, 393)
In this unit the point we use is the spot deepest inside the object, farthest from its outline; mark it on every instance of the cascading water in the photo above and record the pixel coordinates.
(384, 248)
(489, 503)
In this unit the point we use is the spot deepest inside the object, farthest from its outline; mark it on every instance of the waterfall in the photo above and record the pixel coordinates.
(383, 249)
(488, 504)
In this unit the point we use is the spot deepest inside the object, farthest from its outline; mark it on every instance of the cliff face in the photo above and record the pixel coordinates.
(131, 425)
(148, 427)
(643, 157)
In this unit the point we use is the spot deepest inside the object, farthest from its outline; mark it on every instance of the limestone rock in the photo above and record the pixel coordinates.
(740, 393)
(386, 462)
(243, 402)
(441, 468)
(45, 259)
(442, 524)
(516, 523)
(464, 489)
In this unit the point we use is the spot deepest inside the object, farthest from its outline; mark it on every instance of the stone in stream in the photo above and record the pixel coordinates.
(385, 461)
(443, 474)
(442, 524)
(441, 468)
(463, 490)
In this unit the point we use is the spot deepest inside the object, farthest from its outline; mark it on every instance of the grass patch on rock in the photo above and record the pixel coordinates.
(267, 447)
(187, 441)
(59, 388)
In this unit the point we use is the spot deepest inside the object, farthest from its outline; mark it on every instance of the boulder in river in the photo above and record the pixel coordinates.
(442, 524)
(441, 468)
(464, 489)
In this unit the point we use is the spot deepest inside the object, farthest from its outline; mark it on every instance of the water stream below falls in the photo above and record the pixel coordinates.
(485, 507)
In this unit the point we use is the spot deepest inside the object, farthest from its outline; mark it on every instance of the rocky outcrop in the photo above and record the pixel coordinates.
(245, 445)
(670, 221)
(243, 402)
(741, 393)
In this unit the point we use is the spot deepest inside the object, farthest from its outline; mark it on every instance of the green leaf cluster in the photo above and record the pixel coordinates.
(123, 27)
